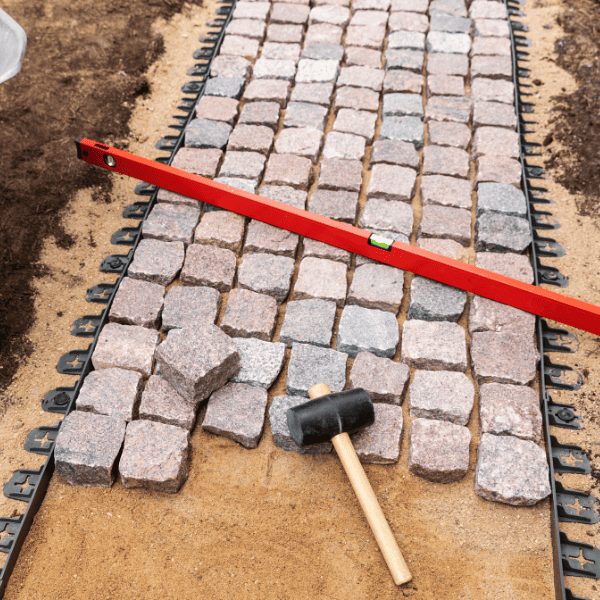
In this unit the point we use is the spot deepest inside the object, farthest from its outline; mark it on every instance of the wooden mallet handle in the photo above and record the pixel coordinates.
(364, 492)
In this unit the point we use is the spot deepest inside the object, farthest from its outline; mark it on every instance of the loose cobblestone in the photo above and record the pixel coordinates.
(202, 133)
(156, 261)
(200, 161)
(377, 286)
(323, 52)
(375, 18)
(261, 361)
(338, 174)
(380, 443)
(362, 57)
(251, 28)
(268, 90)
(242, 164)
(296, 14)
(491, 46)
(500, 169)
(446, 191)
(494, 114)
(286, 34)
(187, 306)
(448, 248)
(402, 105)
(230, 66)
(308, 321)
(452, 7)
(286, 195)
(392, 182)
(209, 265)
(344, 146)
(451, 23)
(400, 80)
(300, 141)
(444, 160)
(322, 250)
(266, 274)
(249, 314)
(217, 109)
(496, 28)
(305, 114)
(487, 315)
(246, 185)
(289, 169)
(495, 232)
(434, 301)
(137, 303)
(367, 36)
(414, 40)
(497, 141)
(447, 133)
(317, 71)
(262, 237)
(323, 33)
(356, 122)
(448, 43)
(356, 99)
(447, 64)
(446, 222)
(395, 152)
(382, 378)
(318, 278)
(484, 89)
(161, 403)
(448, 108)
(221, 228)
(340, 205)
(334, 15)
(403, 129)
(318, 93)
(408, 21)
(445, 85)
(516, 266)
(238, 46)
(226, 87)
(418, 6)
(482, 9)
(492, 67)
(251, 138)
(269, 68)
(361, 77)
(411, 60)
(278, 51)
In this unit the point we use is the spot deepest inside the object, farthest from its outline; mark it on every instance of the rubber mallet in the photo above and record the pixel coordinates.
(332, 417)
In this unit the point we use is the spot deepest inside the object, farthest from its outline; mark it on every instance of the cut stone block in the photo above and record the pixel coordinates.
(334, 15)
(392, 182)
(284, 194)
(251, 28)
(317, 71)
(317, 93)
(323, 52)
(157, 261)
(268, 90)
(237, 411)
(296, 14)
(249, 314)
(323, 33)
(337, 174)
(442, 160)
(495, 114)
(87, 447)
(254, 138)
(383, 379)
(406, 58)
(266, 274)
(161, 403)
(482, 9)
(166, 196)
(280, 430)
(445, 85)
(377, 286)
(374, 18)
(434, 301)
(361, 77)
(111, 392)
(362, 57)
(450, 23)
(356, 122)
(503, 357)
(200, 161)
(511, 471)
(516, 266)
(322, 250)
(171, 223)
(446, 191)
(318, 278)
(198, 360)
(448, 108)
(401, 80)
(269, 68)
(246, 185)
(434, 345)
(261, 361)
(137, 303)
(230, 66)
(262, 237)
(380, 443)
(308, 321)
(442, 395)
(356, 99)
(494, 67)
(344, 145)
(126, 347)
(367, 330)
(208, 265)
(221, 228)
(491, 46)
(166, 468)
(251, 10)
(414, 40)
(445, 222)
(439, 451)
(371, 5)
(395, 152)
(447, 64)
(448, 43)
(300, 141)
(203, 133)
(403, 129)
(495, 232)
(367, 36)
(408, 21)
(289, 169)
(277, 51)
(510, 410)
(305, 114)
(448, 248)
(310, 365)
(499, 169)
(496, 28)
(226, 87)
(265, 114)
(384, 215)
(340, 205)
(495, 140)
(243, 164)
(447, 133)
(487, 315)
(186, 306)
(402, 105)
(238, 46)
(287, 34)
(484, 89)
(217, 109)
(419, 6)
(451, 7)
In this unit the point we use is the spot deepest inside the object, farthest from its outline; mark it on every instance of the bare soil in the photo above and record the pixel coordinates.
(257, 523)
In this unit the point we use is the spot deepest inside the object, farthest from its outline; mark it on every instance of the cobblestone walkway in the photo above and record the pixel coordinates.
(397, 117)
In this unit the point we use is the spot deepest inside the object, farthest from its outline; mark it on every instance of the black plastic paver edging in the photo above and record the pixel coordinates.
(18, 528)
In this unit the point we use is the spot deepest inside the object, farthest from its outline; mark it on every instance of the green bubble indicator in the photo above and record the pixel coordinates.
(380, 242)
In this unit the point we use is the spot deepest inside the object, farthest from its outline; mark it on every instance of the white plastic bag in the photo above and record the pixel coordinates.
(13, 41)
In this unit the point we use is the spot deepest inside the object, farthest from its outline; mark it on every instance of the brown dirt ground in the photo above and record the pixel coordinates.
(248, 523)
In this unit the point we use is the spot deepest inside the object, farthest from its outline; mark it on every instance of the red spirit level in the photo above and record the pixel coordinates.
(506, 290)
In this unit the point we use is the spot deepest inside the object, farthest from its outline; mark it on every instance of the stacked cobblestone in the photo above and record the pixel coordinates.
(396, 116)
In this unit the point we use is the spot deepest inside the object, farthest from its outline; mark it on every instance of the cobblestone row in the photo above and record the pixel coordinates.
(396, 116)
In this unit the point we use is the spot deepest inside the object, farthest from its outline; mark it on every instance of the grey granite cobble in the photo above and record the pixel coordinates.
(340, 205)
(377, 286)
(448, 43)
(166, 467)
(217, 109)
(208, 265)
(511, 471)
(161, 403)
(438, 451)
(404, 58)
(495, 232)
(111, 392)
(451, 7)
(230, 66)
(203, 133)
(334, 15)
(137, 303)
(379, 443)
(319, 278)
(261, 361)
(225, 87)
(317, 93)
(408, 21)
(356, 99)
(310, 365)
(305, 114)
(156, 261)
(317, 71)
(395, 152)
(278, 51)
(500, 169)
(447, 133)
(401, 80)
(322, 250)
(289, 170)
(510, 410)
(434, 301)
(446, 191)
(403, 105)
(186, 306)
(384, 215)
(493, 67)
(382, 378)
(242, 164)
(262, 237)
(403, 129)
(323, 33)
(367, 330)
(323, 52)
(246, 185)
(483, 9)
(265, 114)
(270, 68)
(361, 77)
(392, 182)
(344, 145)
(445, 160)
(308, 321)
(445, 222)
(171, 223)
(487, 315)
(413, 40)
(369, 17)
(266, 274)
(517, 266)
(221, 228)
(280, 431)
(367, 36)
(484, 89)
(434, 345)
(494, 114)
(87, 447)
(497, 28)
(198, 360)
(286, 195)
(451, 23)
(249, 314)
(126, 347)
(442, 395)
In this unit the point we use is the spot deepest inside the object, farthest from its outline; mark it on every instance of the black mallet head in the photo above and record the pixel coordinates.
(321, 419)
